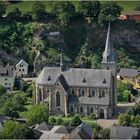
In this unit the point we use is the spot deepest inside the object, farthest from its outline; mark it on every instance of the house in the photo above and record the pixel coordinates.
(133, 15)
(83, 131)
(57, 132)
(7, 76)
(80, 90)
(21, 68)
(131, 75)
(123, 132)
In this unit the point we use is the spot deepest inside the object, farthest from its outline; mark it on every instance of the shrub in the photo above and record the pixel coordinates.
(92, 116)
(106, 133)
(59, 121)
(66, 123)
(76, 120)
(52, 120)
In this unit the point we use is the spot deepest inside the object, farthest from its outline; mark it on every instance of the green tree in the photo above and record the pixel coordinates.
(76, 120)
(2, 8)
(13, 130)
(89, 8)
(52, 120)
(37, 114)
(124, 119)
(109, 12)
(39, 11)
(2, 90)
(65, 11)
(137, 8)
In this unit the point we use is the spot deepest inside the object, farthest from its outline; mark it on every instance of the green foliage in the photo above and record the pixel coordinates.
(2, 8)
(124, 90)
(15, 14)
(92, 116)
(12, 104)
(137, 8)
(59, 121)
(39, 11)
(124, 119)
(13, 130)
(106, 133)
(89, 8)
(109, 12)
(37, 114)
(76, 120)
(52, 120)
(65, 11)
(134, 110)
(2, 90)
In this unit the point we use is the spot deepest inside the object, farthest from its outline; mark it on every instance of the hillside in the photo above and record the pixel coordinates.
(81, 42)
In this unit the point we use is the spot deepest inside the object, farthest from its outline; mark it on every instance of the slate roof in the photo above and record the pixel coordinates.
(129, 72)
(22, 62)
(83, 131)
(43, 127)
(122, 132)
(76, 77)
(59, 129)
(87, 100)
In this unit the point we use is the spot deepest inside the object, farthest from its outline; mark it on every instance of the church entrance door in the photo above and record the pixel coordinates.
(102, 113)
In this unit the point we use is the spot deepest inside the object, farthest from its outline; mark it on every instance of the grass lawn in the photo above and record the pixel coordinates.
(27, 5)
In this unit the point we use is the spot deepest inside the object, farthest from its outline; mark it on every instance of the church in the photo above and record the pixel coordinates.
(80, 90)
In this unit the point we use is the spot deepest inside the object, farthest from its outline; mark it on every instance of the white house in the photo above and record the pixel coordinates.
(21, 68)
(7, 76)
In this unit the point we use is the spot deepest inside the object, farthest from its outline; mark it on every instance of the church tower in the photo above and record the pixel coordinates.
(109, 63)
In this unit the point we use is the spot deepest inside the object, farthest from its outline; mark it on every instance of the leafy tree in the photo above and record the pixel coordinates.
(137, 8)
(89, 8)
(59, 121)
(109, 12)
(15, 14)
(65, 11)
(39, 11)
(52, 120)
(76, 120)
(37, 114)
(134, 110)
(124, 119)
(106, 133)
(13, 130)
(2, 8)
(2, 90)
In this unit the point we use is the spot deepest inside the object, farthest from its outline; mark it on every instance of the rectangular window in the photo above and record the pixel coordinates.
(22, 69)
(5, 79)
(19, 69)
(5, 84)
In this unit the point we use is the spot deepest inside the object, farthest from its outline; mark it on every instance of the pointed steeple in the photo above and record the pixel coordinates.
(108, 54)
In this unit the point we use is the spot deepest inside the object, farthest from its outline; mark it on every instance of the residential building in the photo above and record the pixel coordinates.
(123, 132)
(21, 68)
(131, 75)
(7, 76)
(80, 90)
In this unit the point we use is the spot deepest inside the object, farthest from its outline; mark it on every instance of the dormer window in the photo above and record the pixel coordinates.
(49, 78)
(84, 80)
(104, 81)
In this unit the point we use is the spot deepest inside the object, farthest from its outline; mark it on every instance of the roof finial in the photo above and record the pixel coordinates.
(61, 62)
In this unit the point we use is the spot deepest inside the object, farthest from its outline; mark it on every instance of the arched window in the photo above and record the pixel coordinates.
(57, 99)
(103, 93)
(91, 109)
(73, 92)
(71, 109)
(83, 92)
(81, 109)
(93, 92)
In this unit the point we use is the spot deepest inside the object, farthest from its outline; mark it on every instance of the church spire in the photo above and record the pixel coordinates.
(108, 54)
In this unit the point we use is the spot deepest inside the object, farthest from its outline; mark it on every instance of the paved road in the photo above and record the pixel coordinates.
(121, 108)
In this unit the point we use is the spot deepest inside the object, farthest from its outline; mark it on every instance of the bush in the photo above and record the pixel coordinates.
(106, 133)
(92, 116)
(76, 120)
(124, 119)
(52, 120)
(59, 121)
(66, 123)
(2, 90)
